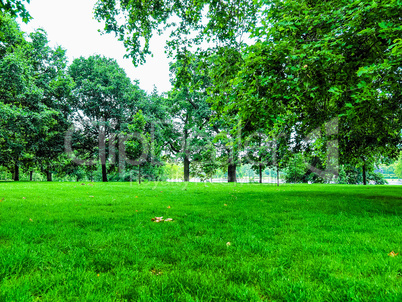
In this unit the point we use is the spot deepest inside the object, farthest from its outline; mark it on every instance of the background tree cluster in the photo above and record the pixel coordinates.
(68, 120)
(285, 69)
(310, 88)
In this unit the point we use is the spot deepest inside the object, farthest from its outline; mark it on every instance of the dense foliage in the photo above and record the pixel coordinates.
(305, 65)
(305, 87)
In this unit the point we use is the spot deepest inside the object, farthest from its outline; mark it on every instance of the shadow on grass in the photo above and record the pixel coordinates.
(353, 200)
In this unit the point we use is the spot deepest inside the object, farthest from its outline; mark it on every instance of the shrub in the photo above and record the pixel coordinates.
(377, 178)
(342, 178)
(296, 169)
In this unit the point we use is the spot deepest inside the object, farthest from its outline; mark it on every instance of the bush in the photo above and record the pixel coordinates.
(377, 178)
(296, 169)
(342, 178)
(353, 176)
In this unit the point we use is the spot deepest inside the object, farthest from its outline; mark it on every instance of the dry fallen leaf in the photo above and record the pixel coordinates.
(155, 272)
(392, 254)
(157, 219)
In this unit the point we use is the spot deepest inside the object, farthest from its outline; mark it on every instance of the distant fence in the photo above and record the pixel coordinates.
(270, 180)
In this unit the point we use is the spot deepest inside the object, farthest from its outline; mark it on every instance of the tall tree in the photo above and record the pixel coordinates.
(189, 108)
(146, 137)
(105, 99)
(325, 61)
(50, 73)
(138, 146)
(20, 92)
(344, 63)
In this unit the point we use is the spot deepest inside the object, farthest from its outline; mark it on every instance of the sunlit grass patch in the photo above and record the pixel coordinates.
(292, 243)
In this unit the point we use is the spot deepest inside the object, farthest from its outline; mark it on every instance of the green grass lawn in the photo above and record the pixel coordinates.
(244, 242)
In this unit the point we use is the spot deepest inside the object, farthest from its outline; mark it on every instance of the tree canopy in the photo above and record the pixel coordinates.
(305, 87)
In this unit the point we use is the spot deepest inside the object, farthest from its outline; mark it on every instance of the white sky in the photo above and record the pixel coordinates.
(70, 24)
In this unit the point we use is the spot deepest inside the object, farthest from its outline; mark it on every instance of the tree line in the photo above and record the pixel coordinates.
(312, 88)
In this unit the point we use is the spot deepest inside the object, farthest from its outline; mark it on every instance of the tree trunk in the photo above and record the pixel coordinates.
(364, 174)
(104, 174)
(186, 159)
(260, 159)
(277, 176)
(102, 152)
(186, 168)
(30, 175)
(139, 174)
(16, 172)
(232, 172)
(48, 175)
(260, 172)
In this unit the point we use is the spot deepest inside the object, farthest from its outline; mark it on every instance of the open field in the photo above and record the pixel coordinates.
(244, 242)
